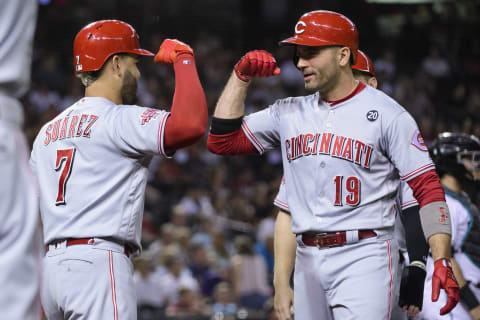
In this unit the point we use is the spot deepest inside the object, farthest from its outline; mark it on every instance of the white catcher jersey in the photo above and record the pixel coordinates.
(344, 160)
(92, 163)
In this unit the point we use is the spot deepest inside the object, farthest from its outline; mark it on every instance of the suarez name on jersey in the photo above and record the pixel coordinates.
(70, 127)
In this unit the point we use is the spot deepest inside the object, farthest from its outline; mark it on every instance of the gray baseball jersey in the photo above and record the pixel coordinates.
(343, 161)
(17, 27)
(92, 164)
(20, 237)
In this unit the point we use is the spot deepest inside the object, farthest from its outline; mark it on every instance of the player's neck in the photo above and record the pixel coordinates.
(451, 182)
(345, 85)
(102, 90)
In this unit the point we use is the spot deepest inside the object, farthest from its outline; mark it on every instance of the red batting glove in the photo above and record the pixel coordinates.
(258, 63)
(170, 49)
(443, 278)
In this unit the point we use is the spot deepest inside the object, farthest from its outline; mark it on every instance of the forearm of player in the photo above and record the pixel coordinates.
(417, 246)
(189, 115)
(434, 213)
(440, 246)
(466, 294)
(231, 103)
(284, 250)
(457, 272)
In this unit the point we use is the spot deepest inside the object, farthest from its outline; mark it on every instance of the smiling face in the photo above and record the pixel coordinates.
(319, 66)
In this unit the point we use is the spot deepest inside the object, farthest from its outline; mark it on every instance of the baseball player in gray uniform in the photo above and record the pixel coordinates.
(411, 295)
(344, 149)
(20, 237)
(457, 159)
(92, 164)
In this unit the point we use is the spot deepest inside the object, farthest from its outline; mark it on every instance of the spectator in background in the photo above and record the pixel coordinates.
(223, 300)
(188, 304)
(176, 278)
(250, 275)
(151, 293)
(435, 64)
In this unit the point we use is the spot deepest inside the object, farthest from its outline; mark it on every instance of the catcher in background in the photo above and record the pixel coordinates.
(457, 159)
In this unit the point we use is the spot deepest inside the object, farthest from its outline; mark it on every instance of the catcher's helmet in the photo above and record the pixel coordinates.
(457, 154)
(97, 41)
(325, 28)
(364, 64)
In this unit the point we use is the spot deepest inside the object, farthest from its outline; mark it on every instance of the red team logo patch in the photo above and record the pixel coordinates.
(417, 141)
(148, 114)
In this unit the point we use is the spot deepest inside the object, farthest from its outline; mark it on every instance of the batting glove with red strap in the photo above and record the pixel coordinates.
(443, 278)
(257, 63)
(170, 49)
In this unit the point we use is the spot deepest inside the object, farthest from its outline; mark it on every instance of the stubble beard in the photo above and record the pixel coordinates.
(128, 91)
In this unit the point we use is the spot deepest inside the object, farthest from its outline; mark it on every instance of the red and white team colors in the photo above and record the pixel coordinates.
(93, 178)
(341, 175)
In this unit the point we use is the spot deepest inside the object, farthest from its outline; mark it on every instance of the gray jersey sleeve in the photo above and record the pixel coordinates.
(406, 197)
(404, 146)
(261, 128)
(281, 198)
(139, 130)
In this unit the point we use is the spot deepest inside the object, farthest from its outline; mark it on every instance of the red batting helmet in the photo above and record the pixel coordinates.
(364, 64)
(97, 41)
(325, 28)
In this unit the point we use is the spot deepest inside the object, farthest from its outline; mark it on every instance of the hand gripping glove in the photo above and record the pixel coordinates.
(443, 278)
(257, 63)
(411, 288)
(170, 49)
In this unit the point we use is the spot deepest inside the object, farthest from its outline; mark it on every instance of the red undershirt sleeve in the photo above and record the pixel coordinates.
(234, 143)
(188, 116)
(427, 188)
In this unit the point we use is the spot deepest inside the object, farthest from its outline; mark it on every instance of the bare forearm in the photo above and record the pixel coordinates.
(231, 104)
(457, 272)
(285, 248)
(440, 245)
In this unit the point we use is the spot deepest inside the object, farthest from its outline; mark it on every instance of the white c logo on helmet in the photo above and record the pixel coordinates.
(297, 29)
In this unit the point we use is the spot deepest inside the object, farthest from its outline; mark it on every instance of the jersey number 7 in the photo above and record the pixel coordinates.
(65, 160)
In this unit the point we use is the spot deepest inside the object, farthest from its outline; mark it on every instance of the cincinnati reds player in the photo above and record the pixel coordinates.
(457, 159)
(344, 150)
(412, 297)
(20, 237)
(408, 230)
(91, 162)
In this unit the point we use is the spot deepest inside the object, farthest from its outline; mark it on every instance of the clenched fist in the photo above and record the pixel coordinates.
(443, 278)
(170, 49)
(257, 63)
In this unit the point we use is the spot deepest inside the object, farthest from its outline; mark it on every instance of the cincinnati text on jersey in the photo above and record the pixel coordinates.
(341, 147)
(70, 127)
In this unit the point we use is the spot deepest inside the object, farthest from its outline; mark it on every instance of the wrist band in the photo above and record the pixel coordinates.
(468, 297)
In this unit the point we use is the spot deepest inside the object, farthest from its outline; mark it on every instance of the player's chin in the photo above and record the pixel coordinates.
(311, 86)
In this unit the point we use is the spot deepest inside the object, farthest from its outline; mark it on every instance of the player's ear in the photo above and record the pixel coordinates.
(117, 65)
(343, 55)
(372, 82)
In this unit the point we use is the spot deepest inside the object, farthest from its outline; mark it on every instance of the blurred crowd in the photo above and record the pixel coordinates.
(209, 221)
